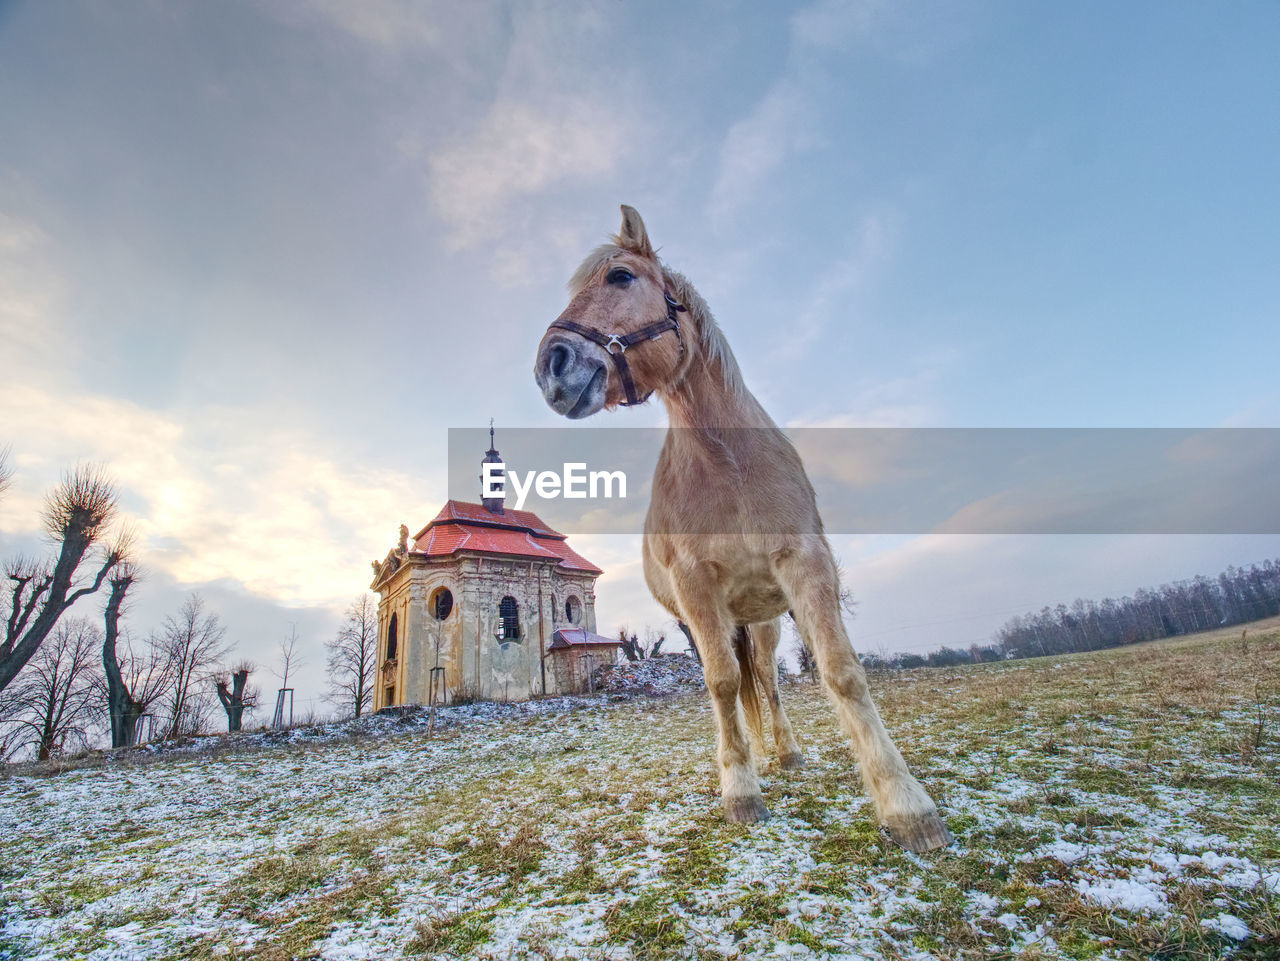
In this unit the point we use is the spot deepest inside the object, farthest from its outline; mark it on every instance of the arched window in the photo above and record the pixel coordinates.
(573, 610)
(510, 614)
(391, 638)
(442, 604)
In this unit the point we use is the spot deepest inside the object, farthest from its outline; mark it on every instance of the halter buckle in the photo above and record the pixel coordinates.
(615, 341)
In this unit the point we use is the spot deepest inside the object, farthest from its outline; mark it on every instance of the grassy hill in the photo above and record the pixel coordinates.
(1117, 804)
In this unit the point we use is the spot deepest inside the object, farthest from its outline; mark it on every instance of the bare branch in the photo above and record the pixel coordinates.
(109, 561)
(352, 657)
(81, 505)
(193, 642)
(6, 469)
(53, 697)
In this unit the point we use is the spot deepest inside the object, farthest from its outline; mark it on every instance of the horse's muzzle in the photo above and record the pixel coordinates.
(572, 375)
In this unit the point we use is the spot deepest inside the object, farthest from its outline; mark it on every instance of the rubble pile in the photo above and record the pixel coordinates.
(654, 677)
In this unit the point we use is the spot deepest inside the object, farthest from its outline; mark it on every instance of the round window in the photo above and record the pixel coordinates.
(442, 604)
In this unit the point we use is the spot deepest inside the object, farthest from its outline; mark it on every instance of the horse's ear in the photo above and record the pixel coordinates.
(633, 236)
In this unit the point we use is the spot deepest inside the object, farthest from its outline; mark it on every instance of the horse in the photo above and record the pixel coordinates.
(733, 539)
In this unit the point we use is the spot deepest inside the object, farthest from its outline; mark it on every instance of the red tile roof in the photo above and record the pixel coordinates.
(567, 637)
(461, 526)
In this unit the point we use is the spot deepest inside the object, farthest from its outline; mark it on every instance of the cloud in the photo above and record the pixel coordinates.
(31, 294)
(388, 24)
(909, 400)
(756, 147)
(518, 151)
(787, 121)
(835, 24)
(832, 295)
(217, 494)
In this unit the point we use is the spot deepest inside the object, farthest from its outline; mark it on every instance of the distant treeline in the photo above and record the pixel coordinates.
(1235, 596)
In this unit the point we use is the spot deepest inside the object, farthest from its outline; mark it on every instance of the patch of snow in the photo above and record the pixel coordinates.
(1068, 852)
(1125, 894)
(984, 902)
(1227, 924)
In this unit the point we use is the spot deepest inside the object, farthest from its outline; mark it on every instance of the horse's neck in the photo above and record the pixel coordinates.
(705, 398)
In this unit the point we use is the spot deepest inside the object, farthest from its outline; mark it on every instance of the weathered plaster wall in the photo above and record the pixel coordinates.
(475, 661)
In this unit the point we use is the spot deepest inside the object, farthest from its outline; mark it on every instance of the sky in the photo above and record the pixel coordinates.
(258, 258)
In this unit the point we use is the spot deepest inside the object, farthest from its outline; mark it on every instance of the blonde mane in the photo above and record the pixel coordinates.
(712, 343)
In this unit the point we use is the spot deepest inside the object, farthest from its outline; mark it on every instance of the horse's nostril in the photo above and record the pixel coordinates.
(559, 360)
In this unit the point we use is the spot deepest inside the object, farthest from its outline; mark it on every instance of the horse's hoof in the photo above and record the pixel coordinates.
(746, 810)
(920, 833)
(791, 762)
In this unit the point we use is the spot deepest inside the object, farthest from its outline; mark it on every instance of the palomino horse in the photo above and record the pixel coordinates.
(733, 539)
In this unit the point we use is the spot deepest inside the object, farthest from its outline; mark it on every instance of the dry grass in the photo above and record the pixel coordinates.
(1148, 775)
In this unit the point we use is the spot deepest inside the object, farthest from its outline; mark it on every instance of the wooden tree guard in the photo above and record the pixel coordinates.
(278, 719)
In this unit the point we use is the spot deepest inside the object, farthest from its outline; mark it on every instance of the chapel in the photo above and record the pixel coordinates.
(485, 603)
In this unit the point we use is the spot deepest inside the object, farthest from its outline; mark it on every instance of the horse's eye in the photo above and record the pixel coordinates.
(620, 275)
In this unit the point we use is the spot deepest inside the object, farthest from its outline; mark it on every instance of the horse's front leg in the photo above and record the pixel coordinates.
(807, 573)
(764, 638)
(705, 612)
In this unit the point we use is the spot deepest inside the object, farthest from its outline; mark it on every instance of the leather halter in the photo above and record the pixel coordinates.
(616, 345)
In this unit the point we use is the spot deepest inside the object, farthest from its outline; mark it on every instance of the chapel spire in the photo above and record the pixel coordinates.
(492, 504)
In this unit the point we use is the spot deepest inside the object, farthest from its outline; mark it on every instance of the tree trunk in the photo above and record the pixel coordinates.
(124, 710)
(45, 750)
(233, 699)
(17, 650)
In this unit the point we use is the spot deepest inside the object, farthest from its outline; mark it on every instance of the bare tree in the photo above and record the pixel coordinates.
(77, 514)
(132, 682)
(6, 470)
(235, 695)
(11, 732)
(352, 656)
(192, 643)
(289, 659)
(289, 656)
(52, 699)
(805, 660)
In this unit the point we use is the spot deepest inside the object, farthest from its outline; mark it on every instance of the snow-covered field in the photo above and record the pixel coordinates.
(1122, 804)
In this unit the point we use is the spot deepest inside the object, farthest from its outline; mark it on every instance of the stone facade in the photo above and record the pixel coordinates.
(469, 607)
(476, 662)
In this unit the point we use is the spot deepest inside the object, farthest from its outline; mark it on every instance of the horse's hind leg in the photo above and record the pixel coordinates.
(709, 619)
(765, 637)
(807, 573)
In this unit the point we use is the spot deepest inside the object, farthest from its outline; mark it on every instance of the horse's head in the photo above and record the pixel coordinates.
(619, 339)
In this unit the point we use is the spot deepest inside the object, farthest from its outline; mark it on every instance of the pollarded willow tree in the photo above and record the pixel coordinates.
(77, 516)
(235, 695)
(133, 681)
